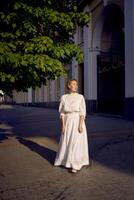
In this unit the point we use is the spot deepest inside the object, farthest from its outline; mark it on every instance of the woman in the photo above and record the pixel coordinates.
(73, 146)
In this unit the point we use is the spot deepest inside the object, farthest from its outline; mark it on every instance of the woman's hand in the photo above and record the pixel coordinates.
(62, 129)
(62, 125)
(80, 128)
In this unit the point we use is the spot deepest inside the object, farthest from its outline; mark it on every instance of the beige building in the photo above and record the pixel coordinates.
(106, 76)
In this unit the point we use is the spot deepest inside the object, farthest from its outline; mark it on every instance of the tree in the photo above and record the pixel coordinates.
(36, 41)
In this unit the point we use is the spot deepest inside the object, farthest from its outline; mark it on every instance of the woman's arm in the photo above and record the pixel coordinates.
(80, 127)
(62, 120)
(82, 114)
(61, 111)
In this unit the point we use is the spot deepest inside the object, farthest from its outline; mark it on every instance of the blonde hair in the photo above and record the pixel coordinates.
(68, 83)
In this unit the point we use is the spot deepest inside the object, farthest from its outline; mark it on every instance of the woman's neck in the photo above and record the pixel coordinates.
(72, 92)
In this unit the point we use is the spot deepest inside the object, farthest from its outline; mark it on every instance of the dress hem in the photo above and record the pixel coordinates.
(70, 165)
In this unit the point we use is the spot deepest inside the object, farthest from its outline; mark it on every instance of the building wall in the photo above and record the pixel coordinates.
(89, 38)
(20, 97)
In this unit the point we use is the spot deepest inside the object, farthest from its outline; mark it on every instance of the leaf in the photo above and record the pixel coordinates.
(36, 42)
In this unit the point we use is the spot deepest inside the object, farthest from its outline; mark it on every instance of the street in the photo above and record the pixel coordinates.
(28, 143)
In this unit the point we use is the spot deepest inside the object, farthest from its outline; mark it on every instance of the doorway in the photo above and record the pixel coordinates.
(110, 63)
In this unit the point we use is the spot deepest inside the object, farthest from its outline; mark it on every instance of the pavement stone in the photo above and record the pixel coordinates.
(28, 142)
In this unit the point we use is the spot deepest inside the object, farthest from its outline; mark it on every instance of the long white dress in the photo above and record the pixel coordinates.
(73, 146)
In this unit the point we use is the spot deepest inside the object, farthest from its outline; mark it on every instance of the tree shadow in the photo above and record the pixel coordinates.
(46, 153)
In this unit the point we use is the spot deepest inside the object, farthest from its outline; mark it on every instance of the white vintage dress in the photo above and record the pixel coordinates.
(73, 146)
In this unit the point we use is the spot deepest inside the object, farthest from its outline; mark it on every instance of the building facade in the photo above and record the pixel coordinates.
(106, 76)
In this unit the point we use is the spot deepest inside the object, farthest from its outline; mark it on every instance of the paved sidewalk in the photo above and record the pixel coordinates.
(28, 144)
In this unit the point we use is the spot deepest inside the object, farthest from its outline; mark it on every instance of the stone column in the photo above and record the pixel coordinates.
(29, 95)
(90, 70)
(74, 69)
(62, 86)
(52, 90)
(129, 59)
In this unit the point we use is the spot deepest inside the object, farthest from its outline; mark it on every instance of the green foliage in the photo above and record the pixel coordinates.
(36, 41)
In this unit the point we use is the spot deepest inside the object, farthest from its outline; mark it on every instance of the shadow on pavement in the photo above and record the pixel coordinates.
(114, 153)
(4, 135)
(31, 121)
(46, 153)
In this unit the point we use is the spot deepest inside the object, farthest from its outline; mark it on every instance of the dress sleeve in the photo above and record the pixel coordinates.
(61, 107)
(82, 107)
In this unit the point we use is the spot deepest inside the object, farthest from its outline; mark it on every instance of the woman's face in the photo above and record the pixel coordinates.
(73, 86)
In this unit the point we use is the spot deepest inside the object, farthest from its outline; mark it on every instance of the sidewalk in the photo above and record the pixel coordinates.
(28, 144)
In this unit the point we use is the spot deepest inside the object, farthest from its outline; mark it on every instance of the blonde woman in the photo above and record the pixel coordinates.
(73, 146)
